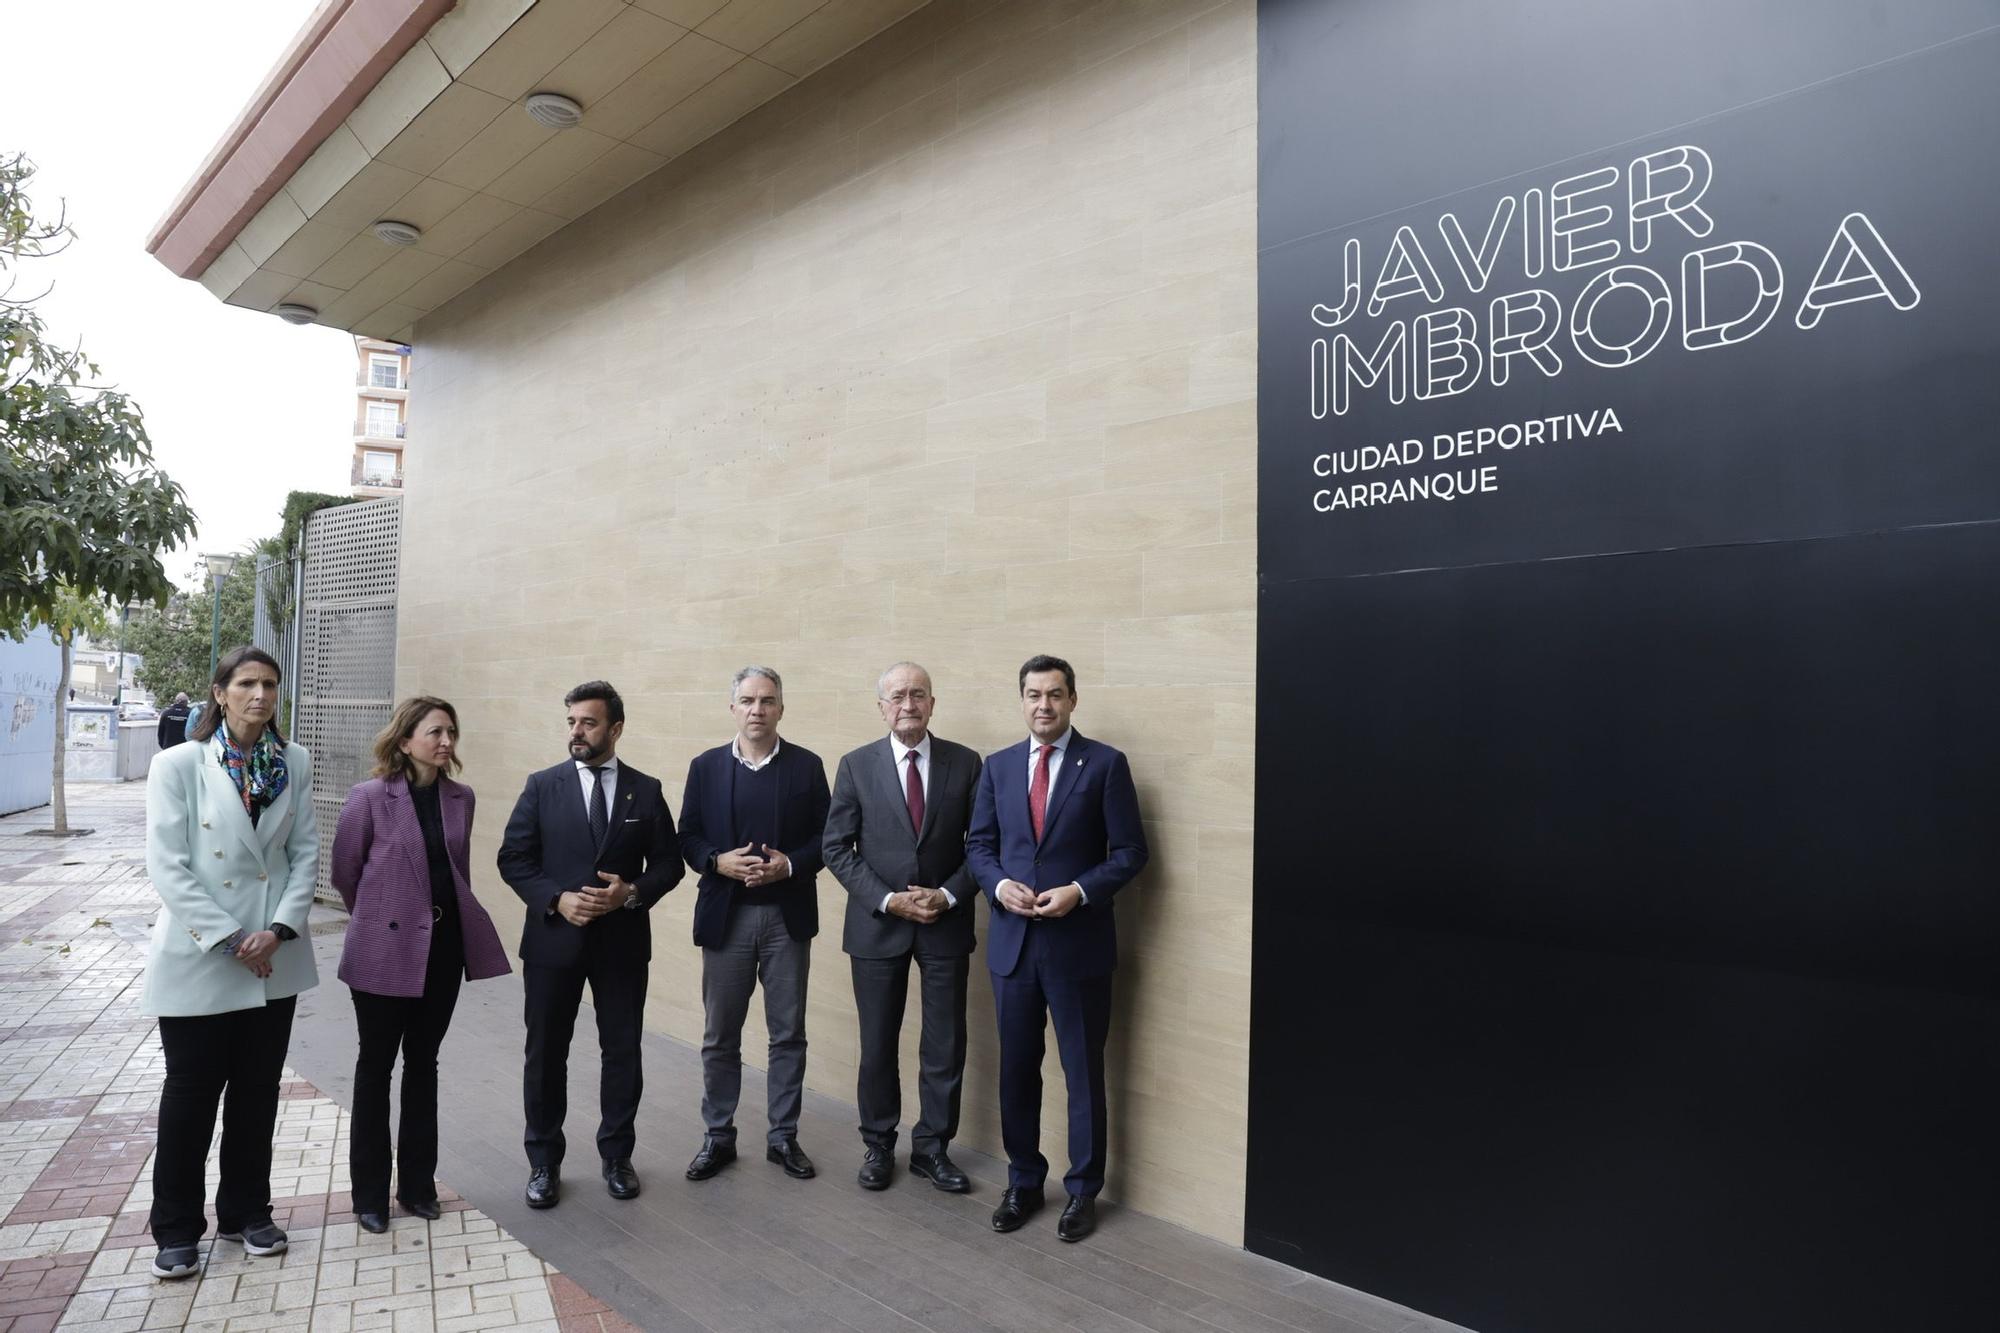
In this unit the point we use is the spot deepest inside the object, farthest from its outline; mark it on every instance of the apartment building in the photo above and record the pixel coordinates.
(381, 407)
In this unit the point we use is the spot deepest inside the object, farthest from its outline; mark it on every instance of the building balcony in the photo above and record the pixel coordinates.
(375, 479)
(367, 379)
(365, 430)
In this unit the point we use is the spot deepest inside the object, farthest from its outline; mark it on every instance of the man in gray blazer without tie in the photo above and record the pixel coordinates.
(895, 839)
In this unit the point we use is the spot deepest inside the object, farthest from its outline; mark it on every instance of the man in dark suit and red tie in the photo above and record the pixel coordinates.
(895, 839)
(1055, 834)
(590, 848)
(751, 822)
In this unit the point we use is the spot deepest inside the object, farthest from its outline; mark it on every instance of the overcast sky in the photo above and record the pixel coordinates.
(118, 102)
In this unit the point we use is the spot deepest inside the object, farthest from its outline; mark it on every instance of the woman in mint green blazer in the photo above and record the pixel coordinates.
(232, 847)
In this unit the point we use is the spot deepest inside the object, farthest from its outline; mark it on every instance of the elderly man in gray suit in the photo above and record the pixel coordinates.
(895, 839)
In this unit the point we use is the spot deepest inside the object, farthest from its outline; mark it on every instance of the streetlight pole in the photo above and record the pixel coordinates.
(218, 571)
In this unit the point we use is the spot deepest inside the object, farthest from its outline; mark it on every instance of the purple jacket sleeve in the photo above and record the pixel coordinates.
(351, 841)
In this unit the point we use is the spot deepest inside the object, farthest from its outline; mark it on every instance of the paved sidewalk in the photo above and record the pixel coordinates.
(80, 1074)
(751, 1251)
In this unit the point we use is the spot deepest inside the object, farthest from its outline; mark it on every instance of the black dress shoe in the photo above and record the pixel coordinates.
(1079, 1218)
(544, 1187)
(788, 1155)
(1017, 1205)
(620, 1179)
(372, 1222)
(429, 1209)
(711, 1159)
(878, 1167)
(941, 1171)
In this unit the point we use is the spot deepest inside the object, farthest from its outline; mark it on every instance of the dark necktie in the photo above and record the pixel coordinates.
(1038, 792)
(600, 819)
(913, 792)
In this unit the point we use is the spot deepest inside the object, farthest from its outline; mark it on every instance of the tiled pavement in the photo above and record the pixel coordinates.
(748, 1252)
(80, 1074)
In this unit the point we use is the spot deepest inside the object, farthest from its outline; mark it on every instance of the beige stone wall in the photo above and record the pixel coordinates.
(947, 354)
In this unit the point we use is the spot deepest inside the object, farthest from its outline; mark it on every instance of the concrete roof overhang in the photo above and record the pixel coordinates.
(414, 111)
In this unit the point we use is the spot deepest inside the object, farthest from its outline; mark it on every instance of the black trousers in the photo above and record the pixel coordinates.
(235, 1060)
(618, 994)
(881, 991)
(416, 1026)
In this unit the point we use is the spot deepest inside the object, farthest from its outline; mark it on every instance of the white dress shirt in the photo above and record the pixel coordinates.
(902, 752)
(1035, 744)
(736, 749)
(609, 777)
(1055, 760)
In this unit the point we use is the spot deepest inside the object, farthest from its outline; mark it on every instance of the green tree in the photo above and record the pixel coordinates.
(173, 639)
(81, 502)
(84, 513)
(72, 614)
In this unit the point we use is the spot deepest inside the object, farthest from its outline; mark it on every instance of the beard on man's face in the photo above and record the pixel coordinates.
(583, 751)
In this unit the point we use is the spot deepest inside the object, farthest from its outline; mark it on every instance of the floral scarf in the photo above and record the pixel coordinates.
(259, 773)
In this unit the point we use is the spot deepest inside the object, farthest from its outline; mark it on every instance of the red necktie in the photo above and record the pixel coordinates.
(913, 792)
(1038, 792)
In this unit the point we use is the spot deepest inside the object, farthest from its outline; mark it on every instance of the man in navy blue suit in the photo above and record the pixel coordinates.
(1055, 834)
(752, 820)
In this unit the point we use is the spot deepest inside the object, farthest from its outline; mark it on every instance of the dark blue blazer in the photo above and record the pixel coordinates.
(1091, 837)
(708, 829)
(547, 850)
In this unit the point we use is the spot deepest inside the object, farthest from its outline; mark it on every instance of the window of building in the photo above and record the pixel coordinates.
(378, 468)
(382, 420)
(384, 371)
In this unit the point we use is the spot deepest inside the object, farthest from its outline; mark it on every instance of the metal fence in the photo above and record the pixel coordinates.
(346, 649)
(275, 627)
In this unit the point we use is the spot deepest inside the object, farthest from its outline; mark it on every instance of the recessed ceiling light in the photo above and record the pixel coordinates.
(555, 111)
(397, 233)
(294, 313)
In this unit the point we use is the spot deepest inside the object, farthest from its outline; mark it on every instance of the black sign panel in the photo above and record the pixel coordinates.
(1763, 321)
(1629, 607)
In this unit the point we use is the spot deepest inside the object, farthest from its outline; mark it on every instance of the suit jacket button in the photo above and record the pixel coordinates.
(204, 823)
(228, 883)
(392, 925)
(218, 853)
(262, 875)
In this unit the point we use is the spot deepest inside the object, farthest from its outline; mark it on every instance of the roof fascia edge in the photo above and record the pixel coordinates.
(339, 56)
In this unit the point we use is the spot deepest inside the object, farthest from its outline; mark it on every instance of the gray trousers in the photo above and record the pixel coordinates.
(756, 949)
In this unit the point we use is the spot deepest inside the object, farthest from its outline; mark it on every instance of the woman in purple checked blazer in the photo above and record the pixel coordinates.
(399, 862)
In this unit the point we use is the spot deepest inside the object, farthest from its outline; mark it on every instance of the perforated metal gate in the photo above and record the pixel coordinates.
(347, 649)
